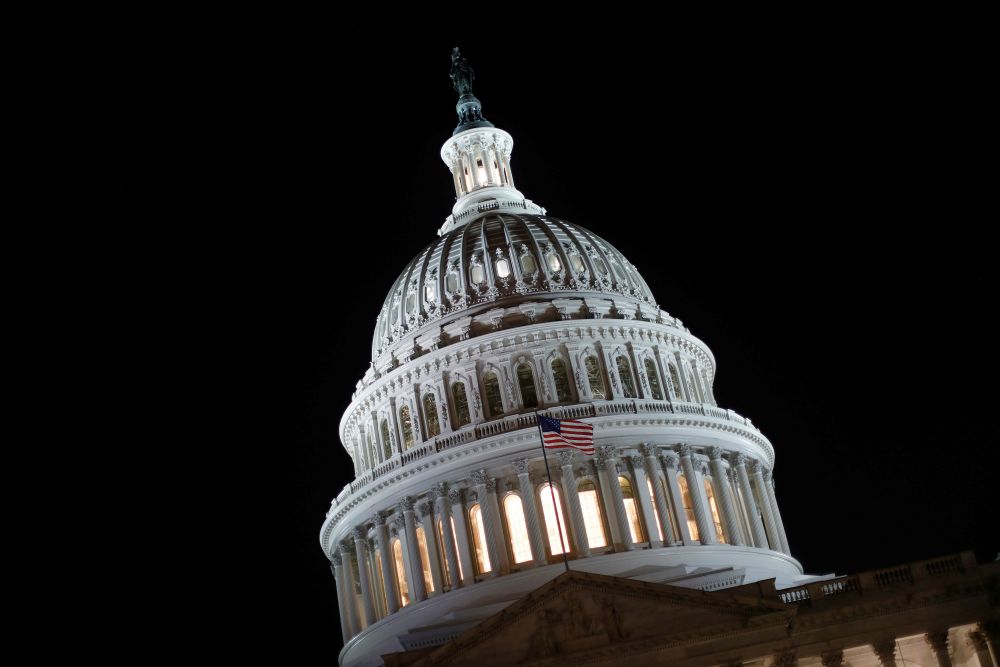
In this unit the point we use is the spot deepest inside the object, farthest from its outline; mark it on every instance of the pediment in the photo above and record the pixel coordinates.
(584, 617)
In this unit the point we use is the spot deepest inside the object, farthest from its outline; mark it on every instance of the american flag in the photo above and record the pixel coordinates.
(565, 433)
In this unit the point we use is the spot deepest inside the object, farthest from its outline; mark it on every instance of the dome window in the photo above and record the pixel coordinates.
(577, 263)
(526, 382)
(561, 381)
(625, 373)
(461, 404)
(528, 265)
(430, 292)
(594, 377)
(451, 282)
(654, 380)
(554, 263)
(602, 268)
(491, 388)
(503, 268)
(411, 303)
(477, 275)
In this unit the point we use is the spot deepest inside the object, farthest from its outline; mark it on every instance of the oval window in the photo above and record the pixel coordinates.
(451, 282)
(602, 268)
(411, 303)
(528, 264)
(577, 263)
(477, 273)
(430, 292)
(554, 263)
(503, 268)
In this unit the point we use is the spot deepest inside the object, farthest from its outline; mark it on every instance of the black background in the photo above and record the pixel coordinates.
(809, 203)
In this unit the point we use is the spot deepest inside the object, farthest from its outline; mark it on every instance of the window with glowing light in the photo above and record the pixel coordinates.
(491, 388)
(688, 508)
(430, 292)
(561, 378)
(631, 509)
(479, 539)
(451, 282)
(425, 560)
(458, 553)
(461, 404)
(397, 559)
(625, 373)
(517, 528)
(653, 379)
(577, 263)
(592, 518)
(411, 303)
(554, 263)
(481, 170)
(710, 494)
(554, 518)
(503, 268)
(594, 377)
(431, 416)
(407, 425)
(526, 381)
(476, 273)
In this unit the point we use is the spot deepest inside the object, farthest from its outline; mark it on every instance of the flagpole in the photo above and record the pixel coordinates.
(552, 491)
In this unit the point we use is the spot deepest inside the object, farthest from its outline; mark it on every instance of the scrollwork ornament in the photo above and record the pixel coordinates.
(684, 449)
(491, 484)
(565, 459)
(424, 509)
(478, 477)
(669, 460)
(455, 496)
(740, 459)
(647, 449)
(520, 466)
(715, 453)
(405, 504)
(358, 534)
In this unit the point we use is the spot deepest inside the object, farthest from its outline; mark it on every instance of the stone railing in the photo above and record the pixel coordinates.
(879, 579)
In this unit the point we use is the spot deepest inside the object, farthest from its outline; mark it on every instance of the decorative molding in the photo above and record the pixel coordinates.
(715, 453)
(520, 466)
(565, 458)
(405, 504)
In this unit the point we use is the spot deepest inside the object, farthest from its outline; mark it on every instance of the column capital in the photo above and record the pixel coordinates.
(424, 509)
(766, 472)
(358, 534)
(684, 449)
(715, 453)
(405, 504)
(378, 518)
(669, 460)
(520, 466)
(439, 490)
(783, 658)
(565, 458)
(740, 459)
(978, 640)
(754, 466)
(455, 496)
(634, 460)
(648, 450)
(345, 550)
(491, 485)
(337, 560)
(478, 477)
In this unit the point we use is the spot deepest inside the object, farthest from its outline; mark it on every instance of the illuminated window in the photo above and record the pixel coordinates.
(656, 512)
(431, 416)
(554, 263)
(591, 507)
(526, 381)
(594, 377)
(528, 265)
(577, 263)
(710, 494)
(481, 171)
(676, 381)
(503, 268)
(461, 404)
(517, 528)
(479, 539)
(397, 558)
(476, 273)
(425, 560)
(625, 373)
(430, 292)
(554, 519)
(411, 303)
(451, 282)
(491, 387)
(688, 509)
(386, 440)
(631, 510)
(561, 377)
(654, 380)
(407, 425)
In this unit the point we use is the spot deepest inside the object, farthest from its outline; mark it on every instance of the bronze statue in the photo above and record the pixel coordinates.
(461, 73)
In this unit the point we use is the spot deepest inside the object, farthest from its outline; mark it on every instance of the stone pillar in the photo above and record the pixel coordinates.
(579, 532)
(641, 492)
(367, 593)
(773, 502)
(938, 640)
(659, 497)
(462, 536)
(490, 524)
(756, 469)
(350, 609)
(418, 590)
(385, 554)
(440, 495)
(604, 479)
(729, 516)
(338, 575)
(991, 631)
(607, 460)
(706, 530)
(426, 513)
(741, 515)
(885, 649)
(535, 537)
(759, 537)
(833, 658)
(670, 464)
(981, 644)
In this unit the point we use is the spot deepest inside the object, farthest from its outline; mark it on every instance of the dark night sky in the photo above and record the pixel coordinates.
(809, 207)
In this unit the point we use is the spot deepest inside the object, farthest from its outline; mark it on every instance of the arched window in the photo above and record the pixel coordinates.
(591, 507)
(517, 528)
(631, 510)
(397, 559)
(431, 416)
(625, 373)
(407, 426)
(654, 380)
(526, 381)
(688, 508)
(479, 539)
(594, 377)
(491, 387)
(675, 380)
(461, 404)
(656, 512)
(561, 377)
(710, 494)
(554, 519)
(386, 440)
(425, 560)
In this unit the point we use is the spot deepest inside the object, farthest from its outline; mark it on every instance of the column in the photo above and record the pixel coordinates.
(759, 537)
(773, 502)
(418, 591)
(338, 575)
(607, 462)
(426, 513)
(756, 469)
(706, 530)
(938, 641)
(885, 649)
(641, 491)
(686, 391)
(659, 497)
(501, 542)
(385, 555)
(479, 480)
(462, 536)
(579, 532)
(741, 514)
(395, 428)
(367, 596)
(350, 609)
(440, 495)
(535, 537)
(670, 465)
(980, 643)
(833, 658)
(721, 485)
(991, 631)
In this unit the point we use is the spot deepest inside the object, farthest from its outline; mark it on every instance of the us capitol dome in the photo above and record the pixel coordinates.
(450, 518)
